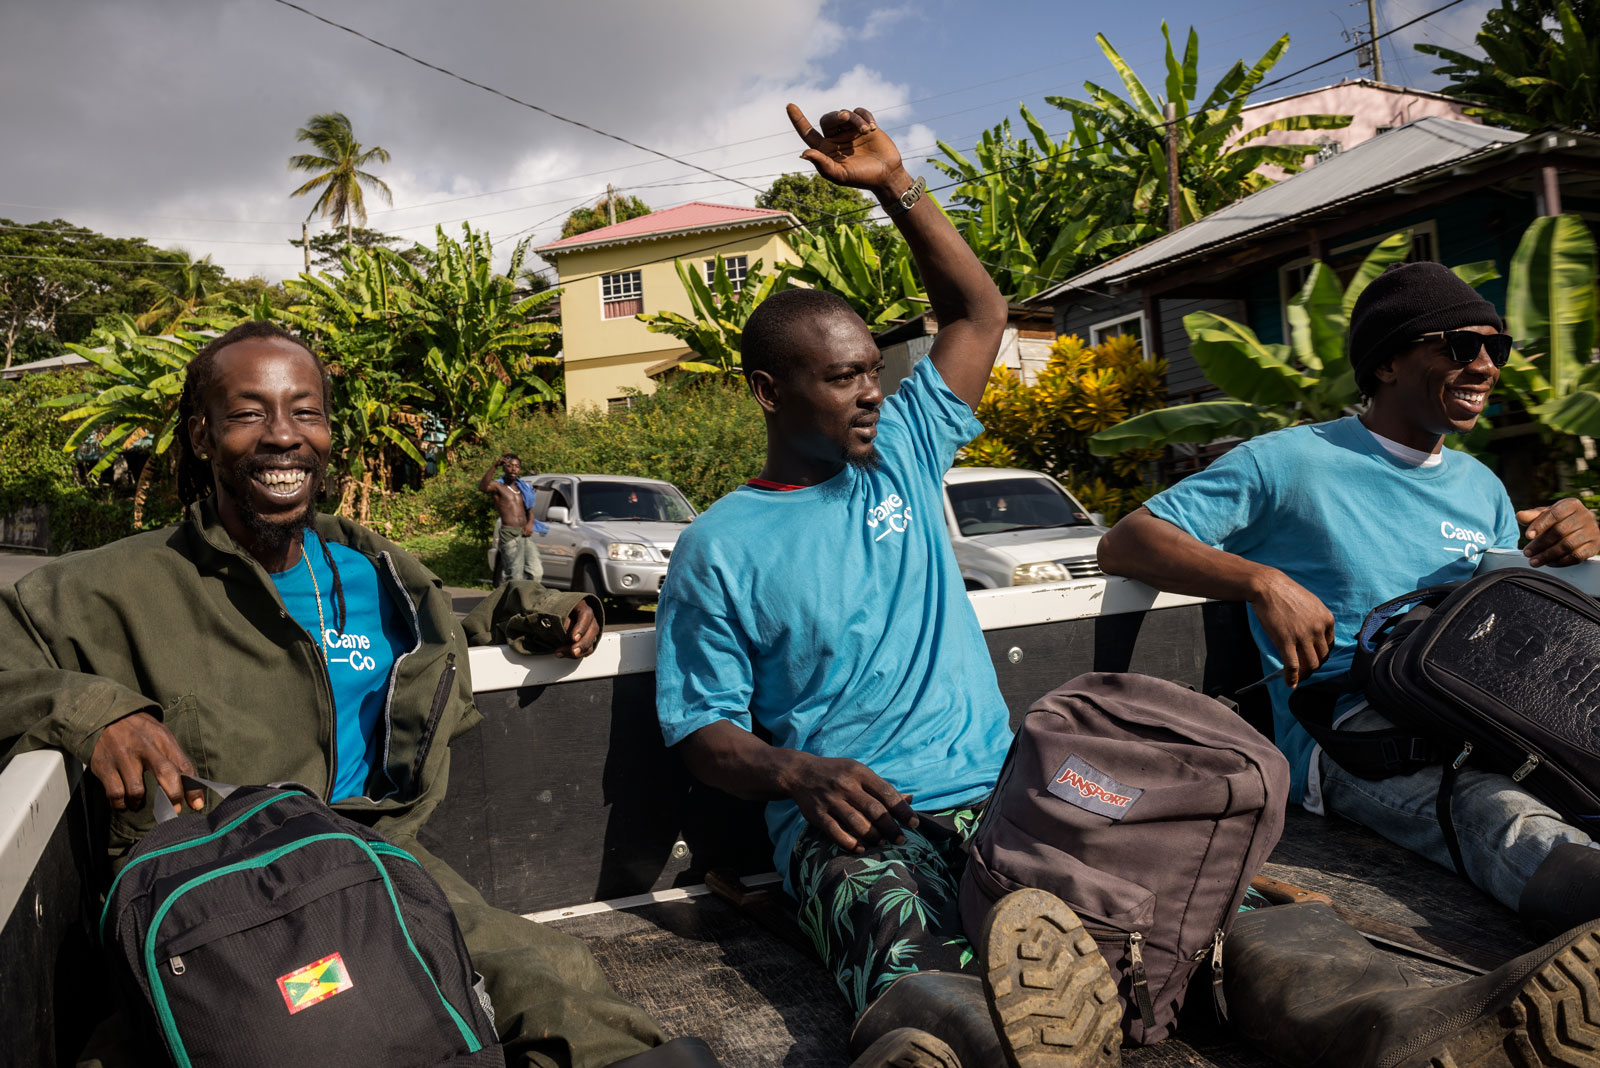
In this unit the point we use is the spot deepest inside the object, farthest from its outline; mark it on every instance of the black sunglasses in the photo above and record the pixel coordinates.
(1464, 345)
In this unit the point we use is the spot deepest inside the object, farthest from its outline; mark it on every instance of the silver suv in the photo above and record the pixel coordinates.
(609, 534)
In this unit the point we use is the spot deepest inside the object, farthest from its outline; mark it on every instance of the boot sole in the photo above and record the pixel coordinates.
(907, 1047)
(1051, 995)
(1548, 1019)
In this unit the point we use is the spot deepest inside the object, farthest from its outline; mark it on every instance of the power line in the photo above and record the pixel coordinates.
(506, 96)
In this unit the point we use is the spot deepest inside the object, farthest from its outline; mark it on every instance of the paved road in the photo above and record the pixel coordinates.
(14, 565)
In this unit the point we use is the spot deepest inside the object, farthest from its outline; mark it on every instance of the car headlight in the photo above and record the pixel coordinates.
(1045, 571)
(629, 550)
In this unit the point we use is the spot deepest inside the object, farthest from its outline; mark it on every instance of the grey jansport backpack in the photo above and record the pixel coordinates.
(273, 931)
(1147, 808)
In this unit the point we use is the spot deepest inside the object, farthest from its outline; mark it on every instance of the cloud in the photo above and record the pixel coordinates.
(881, 19)
(176, 119)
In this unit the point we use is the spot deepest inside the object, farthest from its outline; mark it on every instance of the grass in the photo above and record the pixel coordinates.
(458, 560)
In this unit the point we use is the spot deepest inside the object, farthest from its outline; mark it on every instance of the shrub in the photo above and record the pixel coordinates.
(1047, 426)
(703, 434)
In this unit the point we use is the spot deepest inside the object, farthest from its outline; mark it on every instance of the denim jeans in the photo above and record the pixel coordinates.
(1505, 832)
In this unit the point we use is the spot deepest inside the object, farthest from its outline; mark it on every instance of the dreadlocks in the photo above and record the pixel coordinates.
(195, 478)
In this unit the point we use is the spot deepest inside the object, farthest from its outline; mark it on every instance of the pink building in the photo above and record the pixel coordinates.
(1374, 107)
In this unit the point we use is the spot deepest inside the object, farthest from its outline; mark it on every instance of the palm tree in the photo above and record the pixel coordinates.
(337, 171)
(178, 289)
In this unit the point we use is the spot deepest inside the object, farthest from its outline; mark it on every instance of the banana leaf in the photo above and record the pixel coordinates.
(1199, 423)
(1239, 364)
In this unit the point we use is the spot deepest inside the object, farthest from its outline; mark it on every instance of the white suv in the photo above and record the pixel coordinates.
(1011, 527)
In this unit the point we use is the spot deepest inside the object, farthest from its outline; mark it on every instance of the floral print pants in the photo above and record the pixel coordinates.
(889, 911)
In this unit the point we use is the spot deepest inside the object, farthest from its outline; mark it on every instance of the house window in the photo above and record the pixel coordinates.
(622, 294)
(736, 266)
(619, 404)
(1127, 324)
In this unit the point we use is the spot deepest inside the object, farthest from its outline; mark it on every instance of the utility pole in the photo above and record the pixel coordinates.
(1372, 38)
(1173, 213)
(611, 205)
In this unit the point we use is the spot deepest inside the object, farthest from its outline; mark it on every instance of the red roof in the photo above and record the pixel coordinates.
(696, 215)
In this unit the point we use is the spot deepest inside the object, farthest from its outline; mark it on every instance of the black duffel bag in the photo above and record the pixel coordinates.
(1501, 671)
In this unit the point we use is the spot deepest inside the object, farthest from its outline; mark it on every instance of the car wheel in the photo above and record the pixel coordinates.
(589, 579)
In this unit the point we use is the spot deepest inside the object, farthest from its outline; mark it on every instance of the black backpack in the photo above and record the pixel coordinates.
(1501, 672)
(273, 931)
(1147, 808)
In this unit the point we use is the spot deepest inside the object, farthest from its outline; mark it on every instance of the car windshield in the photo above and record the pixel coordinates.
(600, 501)
(997, 505)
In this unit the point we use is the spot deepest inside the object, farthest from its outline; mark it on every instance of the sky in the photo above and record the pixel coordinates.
(174, 121)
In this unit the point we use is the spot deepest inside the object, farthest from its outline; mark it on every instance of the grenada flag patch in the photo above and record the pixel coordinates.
(317, 981)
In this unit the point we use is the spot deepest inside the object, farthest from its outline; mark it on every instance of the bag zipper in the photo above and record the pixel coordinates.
(1219, 1000)
(441, 697)
(1138, 981)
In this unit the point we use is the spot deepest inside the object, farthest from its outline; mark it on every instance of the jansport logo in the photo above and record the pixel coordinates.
(1093, 789)
(1085, 786)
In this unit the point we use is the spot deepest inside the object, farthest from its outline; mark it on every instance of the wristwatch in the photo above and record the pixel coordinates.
(903, 203)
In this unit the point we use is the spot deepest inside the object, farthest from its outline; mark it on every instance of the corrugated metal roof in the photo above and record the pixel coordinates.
(1404, 152)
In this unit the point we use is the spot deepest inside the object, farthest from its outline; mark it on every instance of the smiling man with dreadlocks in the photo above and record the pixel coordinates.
(262, 641)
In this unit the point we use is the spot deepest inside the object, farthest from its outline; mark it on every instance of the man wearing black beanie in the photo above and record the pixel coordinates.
(1316, 524)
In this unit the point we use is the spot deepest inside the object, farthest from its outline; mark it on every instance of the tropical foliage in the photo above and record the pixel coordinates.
(178, 289)
(720, 312)
(1270, 386)
(1541, 65)
(1551, 308)
(1023, 207)
(335, 166)
(1048, 426)
(881, 287)
(1121, 142)
(130, 396)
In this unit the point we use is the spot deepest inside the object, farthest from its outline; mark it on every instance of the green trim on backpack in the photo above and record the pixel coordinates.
(169, 1026)
(218, 833)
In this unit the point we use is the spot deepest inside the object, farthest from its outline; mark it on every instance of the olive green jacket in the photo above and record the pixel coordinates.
(182, 623)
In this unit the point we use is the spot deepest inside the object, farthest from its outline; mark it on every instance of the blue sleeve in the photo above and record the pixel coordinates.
(703, 668)
(1220, 505)
(1507, 534)
(933, 421)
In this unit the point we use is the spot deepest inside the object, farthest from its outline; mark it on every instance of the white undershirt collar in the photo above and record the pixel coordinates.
(1405, 453)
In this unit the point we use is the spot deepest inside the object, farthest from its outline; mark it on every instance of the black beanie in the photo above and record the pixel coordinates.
(1403, 303)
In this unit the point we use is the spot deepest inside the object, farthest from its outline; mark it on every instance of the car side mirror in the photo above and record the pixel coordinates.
(1097, 518)
(555, 514)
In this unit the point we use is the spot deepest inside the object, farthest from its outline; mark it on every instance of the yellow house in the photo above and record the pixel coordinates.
(611, 274)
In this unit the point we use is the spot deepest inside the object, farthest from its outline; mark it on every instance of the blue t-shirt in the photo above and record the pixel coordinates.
(361, 658)
(1328, 506)
(836, 616)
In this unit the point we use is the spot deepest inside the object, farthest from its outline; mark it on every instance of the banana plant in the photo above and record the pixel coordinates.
(1271, 386)
(720, 312)
(1217, 164)
(881, 289)
(132, 398)
(1551, 306)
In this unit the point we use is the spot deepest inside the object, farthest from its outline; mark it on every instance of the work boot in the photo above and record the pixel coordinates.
(950, 1005)
(906, 1047)
(1050, 994)
(1312, 993)
(1563, 892)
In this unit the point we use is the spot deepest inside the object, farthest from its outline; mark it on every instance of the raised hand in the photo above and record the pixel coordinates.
(129, 747)
(851, 150)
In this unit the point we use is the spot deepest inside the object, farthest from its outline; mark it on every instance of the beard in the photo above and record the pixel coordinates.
(866, 461)
(274, 533)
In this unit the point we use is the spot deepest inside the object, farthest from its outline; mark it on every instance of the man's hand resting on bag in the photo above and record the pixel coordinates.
(1562, 534)
(133, 745)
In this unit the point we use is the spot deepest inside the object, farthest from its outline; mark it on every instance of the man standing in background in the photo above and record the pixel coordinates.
(518, 556)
